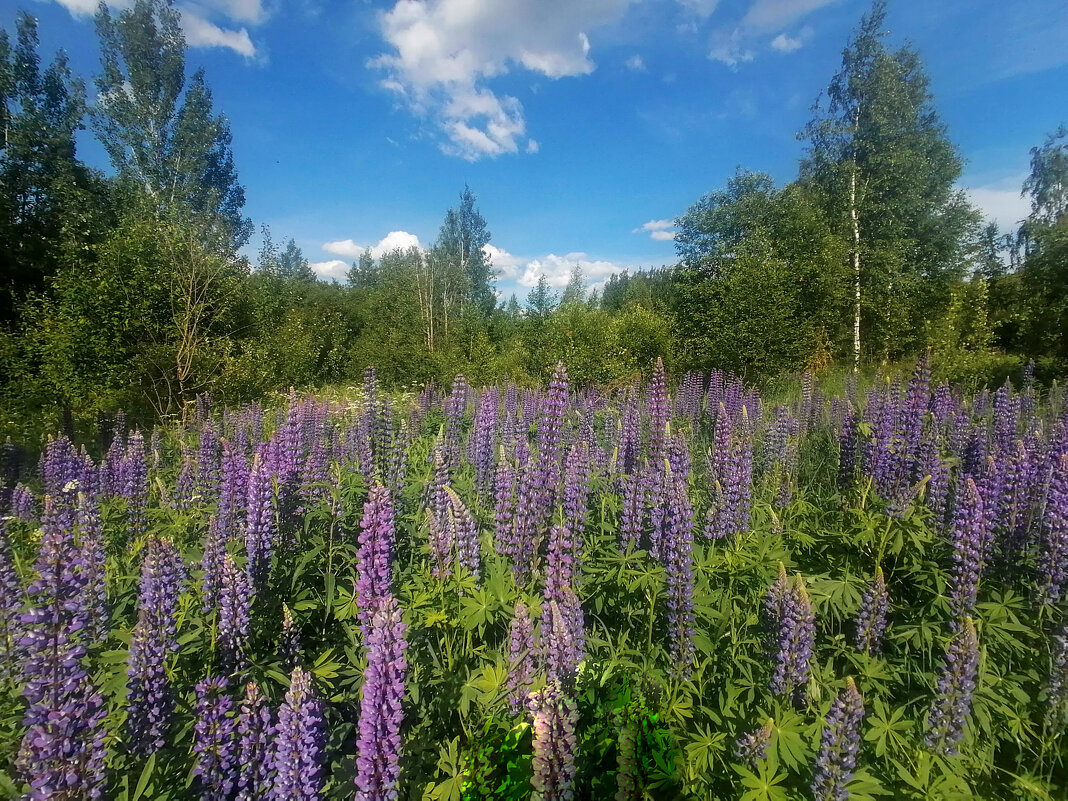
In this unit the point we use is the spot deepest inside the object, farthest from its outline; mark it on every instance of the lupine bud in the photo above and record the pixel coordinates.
(952, 704)
(839, 746)
(871, 619)
(752, 747)
(520, 657)
(254, 747)
(382, 706)
(794, 630)
(299, 741)
(554, 717)
(214, 742)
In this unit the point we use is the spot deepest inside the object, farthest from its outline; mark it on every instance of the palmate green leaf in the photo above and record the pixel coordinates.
(763, 785)
(704, 751)
(789, 739)
(888, 729)
(476, 609)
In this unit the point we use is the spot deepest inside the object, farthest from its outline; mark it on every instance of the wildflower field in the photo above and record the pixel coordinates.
(669, 590)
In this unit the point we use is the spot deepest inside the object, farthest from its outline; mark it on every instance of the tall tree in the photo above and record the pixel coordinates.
(460, 248)
(162, 135)
(541, 300)
(886, 169)
(575, 291)
(50, 203)
(293, 264)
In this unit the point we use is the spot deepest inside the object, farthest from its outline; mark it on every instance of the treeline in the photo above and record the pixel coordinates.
(130, 290)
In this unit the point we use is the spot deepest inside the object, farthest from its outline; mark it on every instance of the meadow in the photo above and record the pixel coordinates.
(671, 589)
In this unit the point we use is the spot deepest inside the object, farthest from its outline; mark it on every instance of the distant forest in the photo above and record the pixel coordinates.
(128, 289)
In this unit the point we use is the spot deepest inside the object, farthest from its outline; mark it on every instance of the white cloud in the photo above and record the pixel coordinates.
(658, 230)
(785, 44)
(1001, 201)
(200, 20)
(734, 45)
(635, 63)
(443, 53)
(335, 269)
(557, 269)
(394, 240)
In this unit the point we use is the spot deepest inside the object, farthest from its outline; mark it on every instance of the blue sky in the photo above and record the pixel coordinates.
(583, 126)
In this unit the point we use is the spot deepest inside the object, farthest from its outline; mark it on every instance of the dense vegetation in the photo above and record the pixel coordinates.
(131, 289)
(698, 594)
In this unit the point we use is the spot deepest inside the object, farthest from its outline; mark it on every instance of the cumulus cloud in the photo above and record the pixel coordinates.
(658, 230)
(394, 240)
(1001, 200)
(444, 53)
(733, 45)
(202, 20)
(332, 270)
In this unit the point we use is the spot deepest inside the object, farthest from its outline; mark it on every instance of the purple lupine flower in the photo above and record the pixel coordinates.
(576, 491)
(871, 619)
(839, 746)
(520, 657)
(525, 530)
(1057, 702)
(967, 540)
(10, 607)
(315, 475)
(111, 469)
(1053, 560)
(563, 637)
(551, 412)
(483, 439)
(752, 746)
(94, 567)
(847, 450)
(463, 533)
(211, 564)
(793, 625)
(253, 746)
(375, 555)
(207, 472)
(677, 547)
(290, 450)
(134, 485)
(732, 474)
(235, 603)
(561, 562)
(441, 545)
(455, 409)
(150, 700)
(290, 650)
(554, 717)
(60, 466)
(214, 741)
(261, 527)
(952, 704)
(504, 506)
(630, 435)
(1019, 478)
(23, 503)
(382, 706)
(63, 747)
(656, 402)
(299, 743)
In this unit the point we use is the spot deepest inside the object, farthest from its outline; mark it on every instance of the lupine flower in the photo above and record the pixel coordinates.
(441, 545)
(871, 619)
(211, 564)
(1057, 703)
(525, 527)
(847, 450)
(952, 704)
(504, 506)
(839, 746)
(633, 515)
(576, 490)
(483, 439)
(455, 409)
(10, 606)
(966, 537)
(382, 706)
(235, 602)
(551, 412)
(63, 747)
(23, 503)
(463, 533)
(299, 741)
(94, 567)
(793, 625)
(554, 717)
(214, 741)
(208, 473)
(752, 746)
(520, 656)
(561, 563)
(253, 746)
(375, 555)
(656, 403)
(563, 637)
(677, 546)
(134, 488)
(183, 487)
(290, 651)
(261, 527)
(1053, 560)
(150, 700)
(629, 436)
